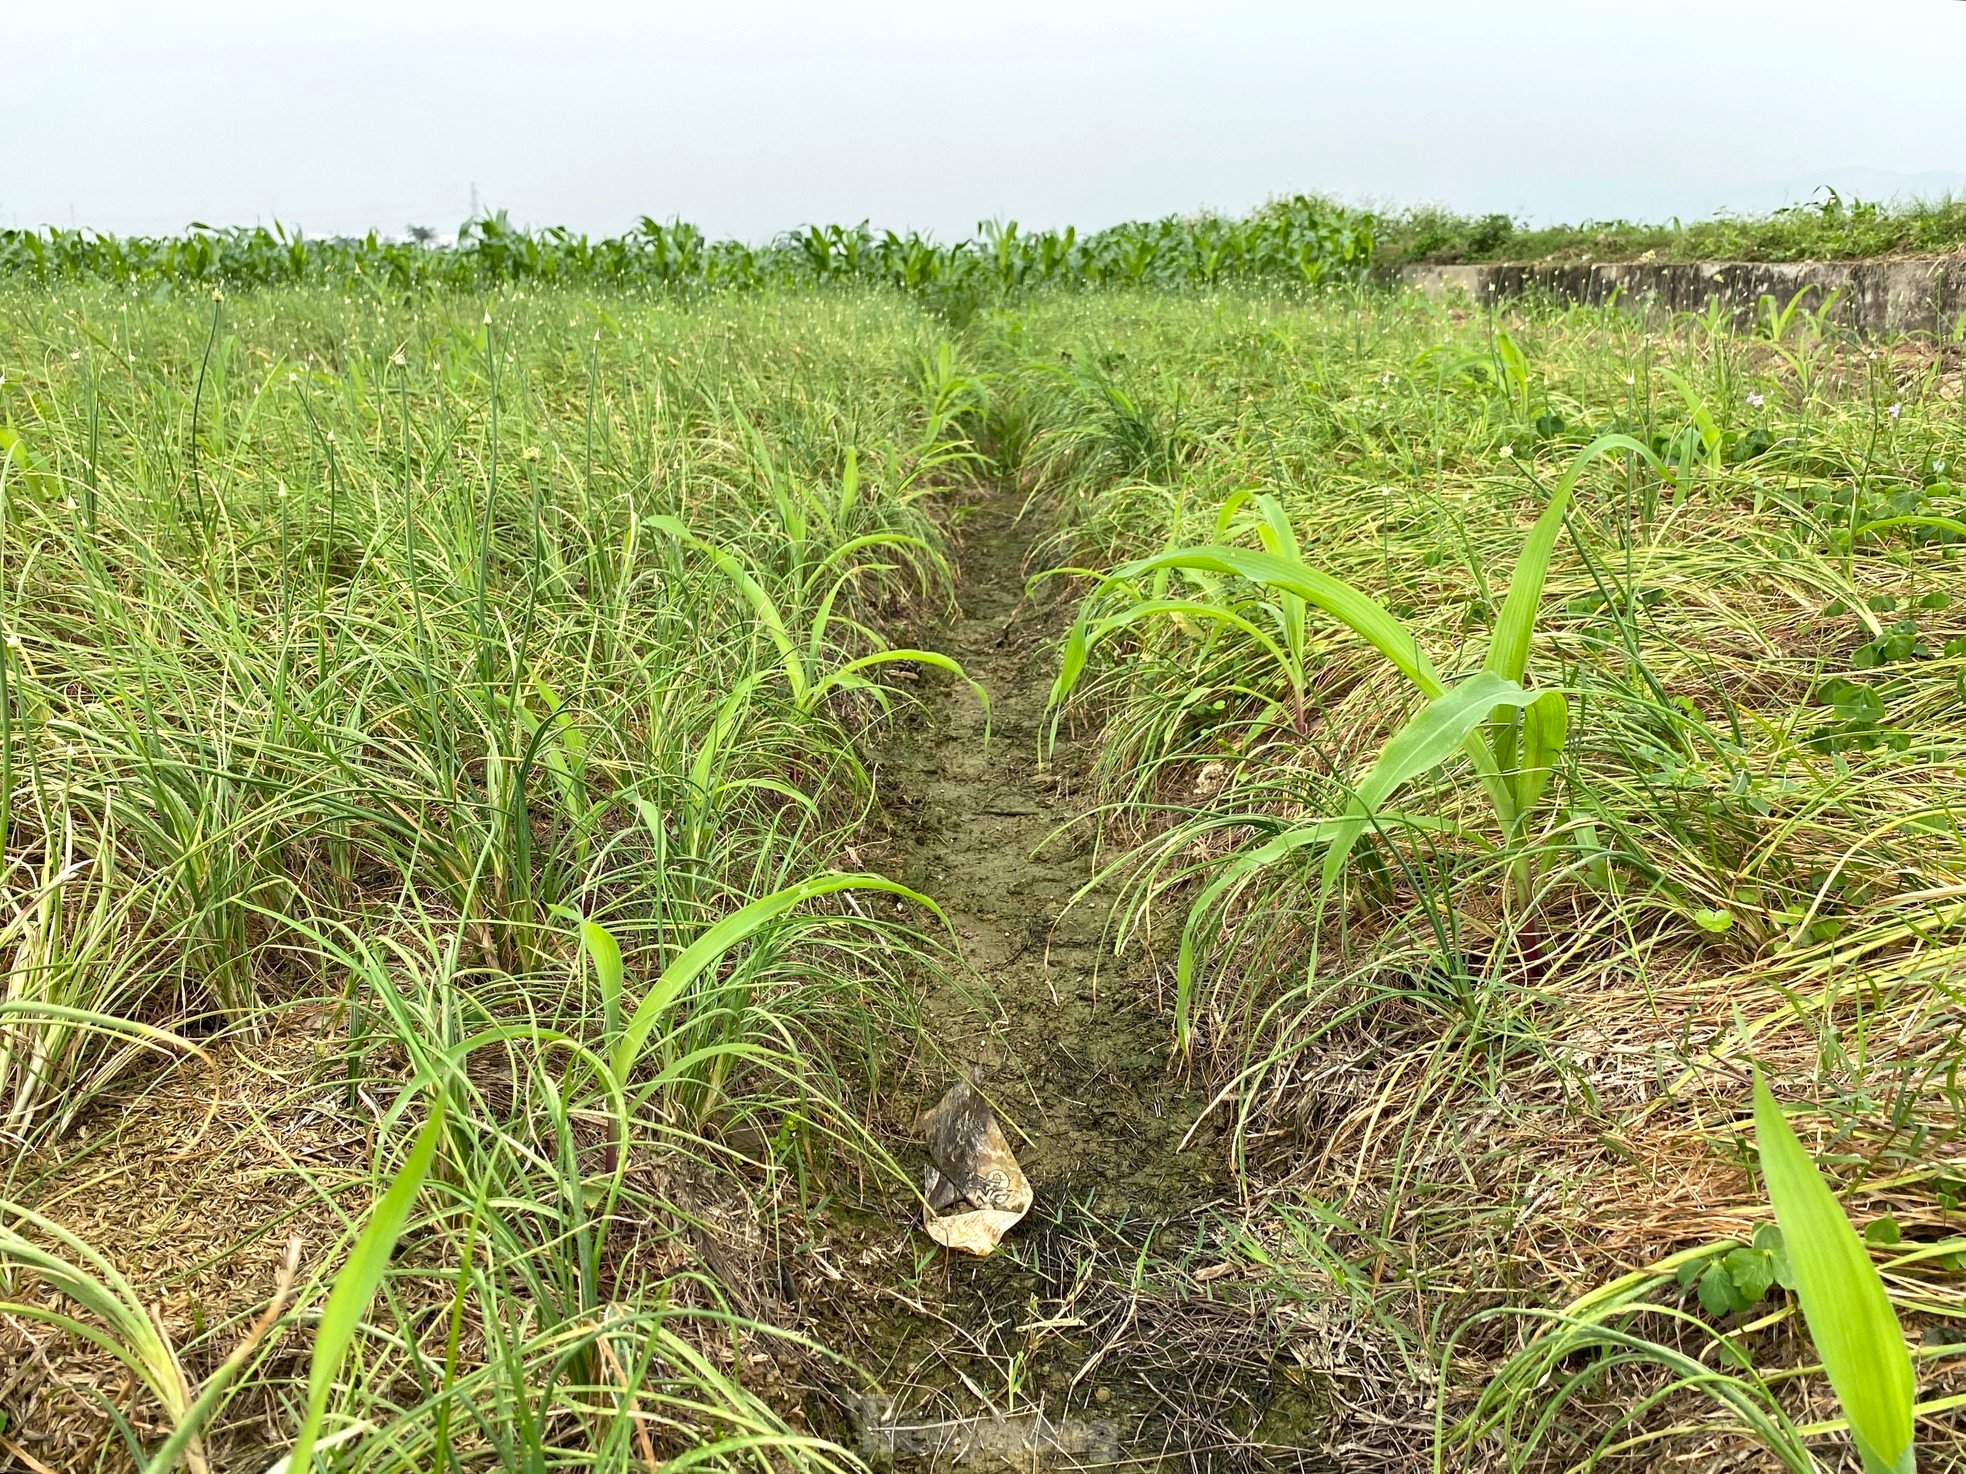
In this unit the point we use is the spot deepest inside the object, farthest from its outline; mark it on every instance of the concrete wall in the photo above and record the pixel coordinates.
(1925, 295)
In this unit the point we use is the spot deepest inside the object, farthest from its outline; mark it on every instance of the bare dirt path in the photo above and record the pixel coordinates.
(985, 823)
(1086, 1341)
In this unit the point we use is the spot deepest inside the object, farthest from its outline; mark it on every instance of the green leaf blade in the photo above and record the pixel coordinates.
(1431, 735)
(718, 939)
(1508, 646)
(1843, 1300)
(605, 952)
(1363, 615)
(355, 1286)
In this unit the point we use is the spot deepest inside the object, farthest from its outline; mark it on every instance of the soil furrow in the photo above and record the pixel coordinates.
(1073, 1346)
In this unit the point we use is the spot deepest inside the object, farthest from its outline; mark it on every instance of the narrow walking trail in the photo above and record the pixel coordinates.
(1086, 1340)
(984, 821)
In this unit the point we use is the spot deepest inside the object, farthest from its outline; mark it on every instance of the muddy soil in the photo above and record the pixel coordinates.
(1105, 1332)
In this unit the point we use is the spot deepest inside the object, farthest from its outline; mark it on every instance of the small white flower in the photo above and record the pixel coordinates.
(1894, 410)
(13, 640)
(1508, 450)
(1755, 401)
(530, 453)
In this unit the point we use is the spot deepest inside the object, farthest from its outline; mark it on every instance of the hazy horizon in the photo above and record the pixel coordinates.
(1755, 199)
(757, 116)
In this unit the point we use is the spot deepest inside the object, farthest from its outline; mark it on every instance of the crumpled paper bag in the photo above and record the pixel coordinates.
(974, 1192)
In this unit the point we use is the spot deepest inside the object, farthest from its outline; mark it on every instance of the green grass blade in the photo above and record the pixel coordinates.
(1843, 1300)
(606, 954)
(1508, 646)
(1949, 525)
(707, 949)
(87, 1277)
(732, 568)
(889, 657)
(1268, 853)
(357, 1283)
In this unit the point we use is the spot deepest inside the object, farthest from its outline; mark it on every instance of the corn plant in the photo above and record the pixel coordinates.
(1512, 736)
(680, 1041)
(812, 671)
(1302, 241)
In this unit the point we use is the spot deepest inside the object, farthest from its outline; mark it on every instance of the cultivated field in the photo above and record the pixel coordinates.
(517, 793)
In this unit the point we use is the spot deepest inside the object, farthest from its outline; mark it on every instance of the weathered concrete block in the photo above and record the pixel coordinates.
(1922, 295)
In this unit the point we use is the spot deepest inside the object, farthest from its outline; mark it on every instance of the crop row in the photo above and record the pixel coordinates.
(1300, 240)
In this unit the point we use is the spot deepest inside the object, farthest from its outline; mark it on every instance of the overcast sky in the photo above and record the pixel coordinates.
(749, 116)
